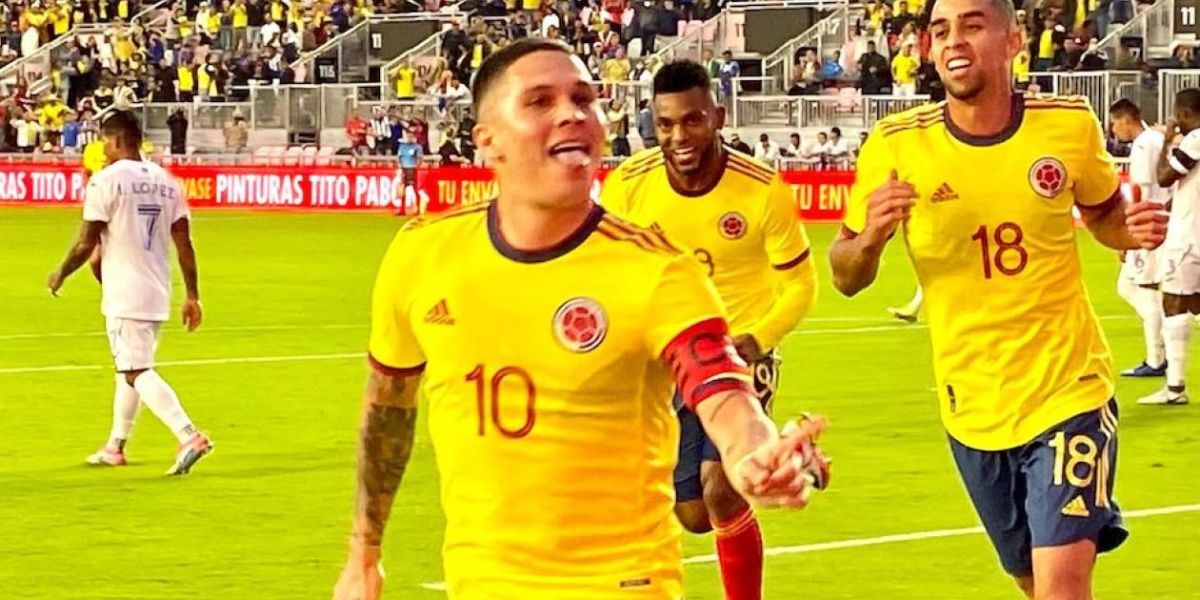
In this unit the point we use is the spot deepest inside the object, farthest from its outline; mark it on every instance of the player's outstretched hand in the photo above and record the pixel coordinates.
(192, 314)
(362, 577)
(783, 474)
(54, 282)
(889, 206)
(1147, 223)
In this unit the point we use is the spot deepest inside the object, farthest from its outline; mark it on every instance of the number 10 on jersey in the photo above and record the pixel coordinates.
(488, 399)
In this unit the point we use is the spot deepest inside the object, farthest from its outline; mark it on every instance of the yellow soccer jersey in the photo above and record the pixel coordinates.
(549, 409)
(739, 231)
(1016, 346)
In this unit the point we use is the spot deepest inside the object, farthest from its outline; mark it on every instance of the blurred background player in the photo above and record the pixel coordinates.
(549, 412)
(133, 209)
(1179, 258)
(1138, 280)
(1024, 373)
(738, 219)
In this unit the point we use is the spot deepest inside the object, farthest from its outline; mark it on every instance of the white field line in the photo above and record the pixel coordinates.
(35, 336)
(884, 324)
(341, 356)
(196, 362)
(890, 539)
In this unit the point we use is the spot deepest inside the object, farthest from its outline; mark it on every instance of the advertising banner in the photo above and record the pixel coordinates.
(819, 195)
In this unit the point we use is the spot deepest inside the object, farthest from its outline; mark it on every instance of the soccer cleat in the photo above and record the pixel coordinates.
(903, 314)
(1145, 370)
(190, 452)
(107, 457)
(1164, 397)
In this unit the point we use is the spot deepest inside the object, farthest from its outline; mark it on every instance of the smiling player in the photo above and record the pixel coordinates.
(1023, 371)
(737, 217)
(548, 408)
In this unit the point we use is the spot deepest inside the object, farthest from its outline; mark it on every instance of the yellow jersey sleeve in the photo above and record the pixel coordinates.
(875, 165)
(1097, 180)
(683, 297)
(393, 344)
(785, 236)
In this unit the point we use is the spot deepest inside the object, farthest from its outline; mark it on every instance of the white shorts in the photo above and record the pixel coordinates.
(1180, 270)
(1140, 267)
(133, 343)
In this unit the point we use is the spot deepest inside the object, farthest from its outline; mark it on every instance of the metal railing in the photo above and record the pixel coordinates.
(1170, 82)
(1155, 26)
(818, 111)
(691, 45)
(294, 108)
(1101, 88)
(352, 47)
(829, 31)
(424, 53)
(34, 67)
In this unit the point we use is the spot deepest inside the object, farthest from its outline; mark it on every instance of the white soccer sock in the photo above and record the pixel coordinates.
(158, 396)
(1178, 332)
(1147, 303)
(914, 306)
(125, 408)
(1150, 309)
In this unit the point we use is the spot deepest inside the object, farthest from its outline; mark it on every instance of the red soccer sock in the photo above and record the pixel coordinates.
(740, 552)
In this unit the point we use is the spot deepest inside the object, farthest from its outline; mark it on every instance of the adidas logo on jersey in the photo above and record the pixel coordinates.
(945, 193)
(439, 314)
(1076, 508)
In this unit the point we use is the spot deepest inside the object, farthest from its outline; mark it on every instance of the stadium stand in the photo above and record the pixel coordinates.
(222, 76)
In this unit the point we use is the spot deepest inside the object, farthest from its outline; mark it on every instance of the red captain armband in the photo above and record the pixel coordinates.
(704, 362)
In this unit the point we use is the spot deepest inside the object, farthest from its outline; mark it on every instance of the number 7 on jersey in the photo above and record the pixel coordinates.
(149, 213)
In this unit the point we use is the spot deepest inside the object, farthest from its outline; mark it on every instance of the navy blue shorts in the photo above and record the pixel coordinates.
(694, 445)
(1053, 491)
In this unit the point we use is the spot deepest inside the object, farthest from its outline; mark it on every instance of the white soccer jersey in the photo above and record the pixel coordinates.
(139, 201)
(1141, 265)
(1143, 165)
(1182, 228)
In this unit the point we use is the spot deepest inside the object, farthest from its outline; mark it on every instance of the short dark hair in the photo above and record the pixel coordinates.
(837, 130)
(1189, 100)
(499, 62)
(1125, 108)
(681, 76)
(123, 124)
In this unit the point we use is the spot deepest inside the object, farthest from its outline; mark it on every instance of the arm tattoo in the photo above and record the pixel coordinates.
(385, 444)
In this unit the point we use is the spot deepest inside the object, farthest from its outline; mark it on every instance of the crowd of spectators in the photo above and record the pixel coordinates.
(212, 50)
(888, 51)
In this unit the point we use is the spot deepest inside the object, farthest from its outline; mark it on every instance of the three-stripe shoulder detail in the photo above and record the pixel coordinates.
(640, 165)
(740, 163)
(647, 238)
(426, 220)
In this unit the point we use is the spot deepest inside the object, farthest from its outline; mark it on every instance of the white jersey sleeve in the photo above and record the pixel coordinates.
(97, 202)
(1143, 165)
(140, 202)
(1184, 158)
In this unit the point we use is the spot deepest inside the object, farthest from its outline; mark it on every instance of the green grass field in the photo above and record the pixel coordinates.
(274, 376)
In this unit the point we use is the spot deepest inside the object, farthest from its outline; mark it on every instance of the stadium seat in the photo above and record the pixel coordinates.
(323, 155)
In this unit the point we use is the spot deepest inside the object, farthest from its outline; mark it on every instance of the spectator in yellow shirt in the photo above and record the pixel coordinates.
(60, 19)
(904, 72)
(1021, 69)
(277, 10)
(405, 77)
(240, 19)
(615, 69)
